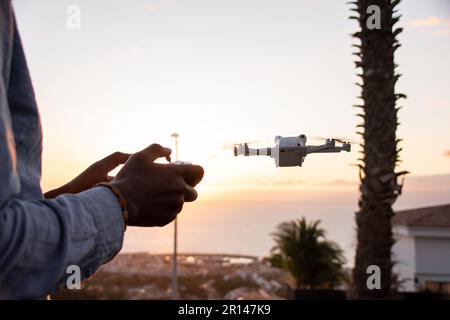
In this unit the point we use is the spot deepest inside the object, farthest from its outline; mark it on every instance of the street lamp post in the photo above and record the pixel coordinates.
(175, 236)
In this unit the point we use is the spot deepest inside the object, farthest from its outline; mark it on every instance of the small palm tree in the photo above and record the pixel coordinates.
(302, 249)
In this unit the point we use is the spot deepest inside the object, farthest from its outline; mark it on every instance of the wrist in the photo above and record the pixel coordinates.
(120, 199)
(128, 194)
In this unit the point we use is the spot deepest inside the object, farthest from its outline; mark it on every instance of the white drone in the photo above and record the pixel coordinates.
(291, 151)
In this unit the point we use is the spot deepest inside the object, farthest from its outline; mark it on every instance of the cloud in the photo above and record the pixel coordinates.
(151, 7)
(290, 182)
(297, 182)
(281, 183)
(445, 29)
(436, 24)
(427, 22)
(157, 5)
(447, 154)
(341, 182)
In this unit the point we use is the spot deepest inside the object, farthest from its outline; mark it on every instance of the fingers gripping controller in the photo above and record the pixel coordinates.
(155, 192)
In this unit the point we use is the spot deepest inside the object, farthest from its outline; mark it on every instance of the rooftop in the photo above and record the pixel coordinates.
(436, 216)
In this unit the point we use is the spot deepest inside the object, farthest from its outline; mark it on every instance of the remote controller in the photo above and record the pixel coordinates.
(181, 162)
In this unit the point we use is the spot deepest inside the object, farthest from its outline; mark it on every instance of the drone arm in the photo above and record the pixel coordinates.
(244, 150)
(260, 151)
(327, 148)
(321, 149)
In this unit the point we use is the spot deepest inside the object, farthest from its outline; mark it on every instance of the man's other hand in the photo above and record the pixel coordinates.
(155, 192)
(96, 173)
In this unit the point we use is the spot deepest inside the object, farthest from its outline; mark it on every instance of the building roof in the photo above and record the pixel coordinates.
(436, 216)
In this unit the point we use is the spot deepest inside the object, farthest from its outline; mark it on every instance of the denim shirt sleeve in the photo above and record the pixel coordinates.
(40, 238)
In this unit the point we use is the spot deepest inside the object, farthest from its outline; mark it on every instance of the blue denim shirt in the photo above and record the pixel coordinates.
(40, 238)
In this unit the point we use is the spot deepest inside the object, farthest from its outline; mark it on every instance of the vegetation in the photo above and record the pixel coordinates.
(379, 188)
(302, 249)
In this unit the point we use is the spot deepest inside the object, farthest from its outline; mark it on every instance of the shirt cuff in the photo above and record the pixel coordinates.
(108, 219)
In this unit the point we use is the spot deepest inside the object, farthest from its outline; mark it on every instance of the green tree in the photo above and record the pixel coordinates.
(302, 249)
(379, 188)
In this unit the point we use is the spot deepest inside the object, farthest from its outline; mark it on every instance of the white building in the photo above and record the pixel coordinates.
(422, 248)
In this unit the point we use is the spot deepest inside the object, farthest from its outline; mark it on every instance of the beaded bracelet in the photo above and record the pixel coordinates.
(120, 199)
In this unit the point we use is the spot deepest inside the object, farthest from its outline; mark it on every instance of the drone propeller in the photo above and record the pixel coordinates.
(233, 145)
(339, 139)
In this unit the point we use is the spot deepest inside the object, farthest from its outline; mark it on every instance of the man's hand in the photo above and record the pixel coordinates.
(154, 192)
(96, 173)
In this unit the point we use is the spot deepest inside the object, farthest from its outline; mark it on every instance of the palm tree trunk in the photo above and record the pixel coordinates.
(379, 188)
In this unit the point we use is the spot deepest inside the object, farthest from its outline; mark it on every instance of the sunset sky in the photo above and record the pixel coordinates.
(220, 72)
